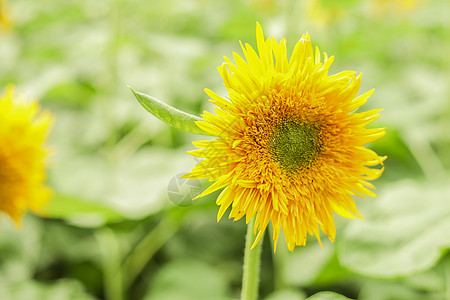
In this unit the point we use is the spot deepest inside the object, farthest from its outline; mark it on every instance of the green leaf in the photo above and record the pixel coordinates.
(286, 294)
(327, 296)
(95, 190)
(311, 260)
(398, 290)
(71, 94)
(407, 231)
(186, 279)
(80, 212)
(33, 289)
(169, 115)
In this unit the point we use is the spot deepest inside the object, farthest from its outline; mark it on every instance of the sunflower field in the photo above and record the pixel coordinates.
(219, 150)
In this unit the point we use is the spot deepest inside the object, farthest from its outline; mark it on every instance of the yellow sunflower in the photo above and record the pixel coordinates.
(289, 146)
(4, 20)
(23, 132)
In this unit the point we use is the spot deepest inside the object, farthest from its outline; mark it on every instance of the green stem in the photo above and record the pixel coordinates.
(110, 260)
(252, 262)
(144, 251)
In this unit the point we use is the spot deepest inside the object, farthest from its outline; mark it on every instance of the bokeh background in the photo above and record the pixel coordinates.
(121, 224)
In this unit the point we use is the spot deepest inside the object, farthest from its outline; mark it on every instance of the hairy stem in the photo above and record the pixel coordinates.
(252, 262)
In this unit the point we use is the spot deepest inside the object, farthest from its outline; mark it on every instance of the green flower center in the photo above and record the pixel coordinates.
(294, 145)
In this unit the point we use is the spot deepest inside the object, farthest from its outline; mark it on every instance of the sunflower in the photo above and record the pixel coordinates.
(4, 20)
(289, 146)
(23, 132)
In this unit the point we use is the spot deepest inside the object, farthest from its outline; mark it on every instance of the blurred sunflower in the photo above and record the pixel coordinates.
(4, 20)
(23, 132)
(396, 8)
(289, 145)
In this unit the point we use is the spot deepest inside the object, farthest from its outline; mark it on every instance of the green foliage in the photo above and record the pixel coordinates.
(32, 289)
(168, 114)
(327, 296)
(406, 232)
(286, 294)
(113, 232)
(79, 211)
(185, 280)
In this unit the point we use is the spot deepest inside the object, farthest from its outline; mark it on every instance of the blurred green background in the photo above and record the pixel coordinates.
(113, 232)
